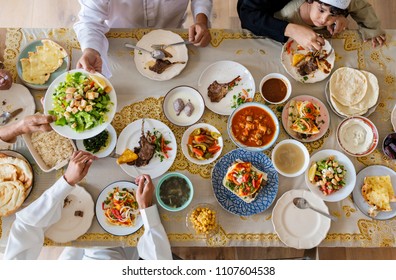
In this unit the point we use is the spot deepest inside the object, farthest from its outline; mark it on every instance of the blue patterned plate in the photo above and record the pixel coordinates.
(230, 201)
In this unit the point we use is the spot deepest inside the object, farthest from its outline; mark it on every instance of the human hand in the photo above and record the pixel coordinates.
(78, 167)
(145, 191)
(305, 36)
(35, 123)
(198, 33)
(340, 25)
(377, 41)
(90, 61)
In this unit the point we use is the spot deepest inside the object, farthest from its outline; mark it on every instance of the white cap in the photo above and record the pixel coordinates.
(341, 4)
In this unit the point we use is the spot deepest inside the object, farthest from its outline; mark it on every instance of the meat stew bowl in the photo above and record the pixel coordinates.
(253, 126)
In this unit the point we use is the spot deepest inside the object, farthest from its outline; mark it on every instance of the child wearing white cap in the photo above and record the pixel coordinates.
(300, 19)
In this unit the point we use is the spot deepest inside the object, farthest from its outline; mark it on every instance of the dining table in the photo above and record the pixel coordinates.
(140, 97)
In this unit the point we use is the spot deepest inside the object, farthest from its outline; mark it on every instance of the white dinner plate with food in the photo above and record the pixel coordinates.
(228, 77)
(32, 48)
(324, 171)
(183, 105)
(94, 112)
(209, 146)
(144, 60)
(105, 149)
(292, 51)
(76, 217)
(18, 96)
(129, 139)
(300, 228)
(361, 203)
(131, 220)
(321, 121)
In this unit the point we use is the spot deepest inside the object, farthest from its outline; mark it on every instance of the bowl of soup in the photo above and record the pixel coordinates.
(275, 88)
(253, 126)
(174, 191)
(290, 158)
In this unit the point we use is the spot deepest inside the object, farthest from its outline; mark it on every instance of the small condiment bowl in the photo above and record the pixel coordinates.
(286, 82)
(203, 227)
(160, 184)
(234, 137)
(185, 93)
(356, 120)
(290, 156)
(389, 146)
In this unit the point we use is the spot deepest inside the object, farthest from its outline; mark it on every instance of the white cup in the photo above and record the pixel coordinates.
(283, 79)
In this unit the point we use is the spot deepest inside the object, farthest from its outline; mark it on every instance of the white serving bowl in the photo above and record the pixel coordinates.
(300, 146)
(350, 177)
(106, 151)
(281, 77)
(247, 147)
(365, 121)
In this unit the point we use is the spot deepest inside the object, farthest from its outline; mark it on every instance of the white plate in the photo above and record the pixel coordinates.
(113, 229)
(224, 72)
(314, 77)
(129, 138)
(393, 118)
(186, 93)
(18, 96)
(104, 152)
(300, 228)
(329, 101)
(66, 130)
(184, 142)
(323, 120)
(25, 54)
(70, 227)
(143, 60)
(373, 170)
(350, 177)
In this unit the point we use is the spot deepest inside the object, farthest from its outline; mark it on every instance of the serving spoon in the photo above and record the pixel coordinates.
(302, 203)
(6, 116)
(156, 54)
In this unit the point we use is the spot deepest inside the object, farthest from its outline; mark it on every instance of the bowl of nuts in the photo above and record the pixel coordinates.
(202, 220)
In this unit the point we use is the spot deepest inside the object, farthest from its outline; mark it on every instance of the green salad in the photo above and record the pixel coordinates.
(80, 102)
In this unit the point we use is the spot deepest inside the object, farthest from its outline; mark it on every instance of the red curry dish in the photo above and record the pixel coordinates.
(253, 126)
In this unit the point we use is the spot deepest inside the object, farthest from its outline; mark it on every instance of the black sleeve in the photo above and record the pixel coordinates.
(258, 17)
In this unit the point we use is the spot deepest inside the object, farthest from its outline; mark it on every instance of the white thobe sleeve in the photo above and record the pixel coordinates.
(91, 29)
(154, 243)
(201, 7)
(27, 232)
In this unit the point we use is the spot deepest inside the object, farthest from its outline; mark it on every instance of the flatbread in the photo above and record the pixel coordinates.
(372, 93)
(12, 195)
(37, 68)
(347, 111)
(348, 86)
(21, 166)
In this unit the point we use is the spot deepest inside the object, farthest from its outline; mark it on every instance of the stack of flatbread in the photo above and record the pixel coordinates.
(37, 68)
(352, 91)
(378, 193)
(16, 177)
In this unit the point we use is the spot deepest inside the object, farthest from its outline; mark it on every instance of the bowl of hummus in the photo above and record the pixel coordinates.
(357, 136)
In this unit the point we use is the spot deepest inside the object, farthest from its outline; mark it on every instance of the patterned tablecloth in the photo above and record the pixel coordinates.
(140, 97)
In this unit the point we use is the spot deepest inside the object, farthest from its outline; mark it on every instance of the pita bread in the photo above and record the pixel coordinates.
(21, 166)
(372, 93)
(347, 111)
(348, 86)
(12, 195)
(8, 172)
